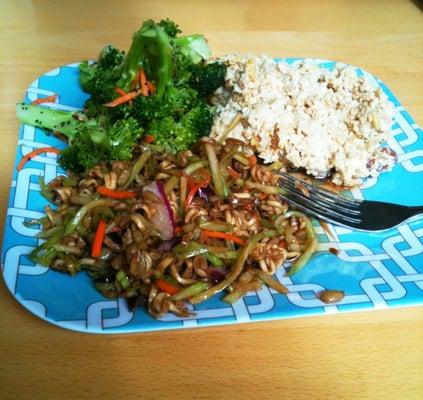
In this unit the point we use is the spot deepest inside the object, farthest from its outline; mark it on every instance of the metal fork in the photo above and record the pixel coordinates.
(361, 215)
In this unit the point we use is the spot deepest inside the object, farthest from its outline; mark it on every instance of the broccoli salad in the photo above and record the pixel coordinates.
(158, 92)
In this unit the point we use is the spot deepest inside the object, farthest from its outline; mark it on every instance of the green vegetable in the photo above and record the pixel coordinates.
(72, 225)
(269, 281)
(266, 224)
(241, 291)
(91, 144)
(43, 257)
(219, 183)
(72, 264)
(194, 47)
(206, 78)
(152, 51)
(39, 221)
(46, 192)
(138, 166)
(99, 78)
(264, 188)
(63, 121)
(176, 114)
(175, 104)
(171, 184)
(175, 135)
(170, 27)
(220, 226)
(184, 251)
(215, 260)
(108, 289)
(45, 253)
(192, 249)
(195, 166)
(91, 141)
(123, 279)
(49, 232)
(191, 290)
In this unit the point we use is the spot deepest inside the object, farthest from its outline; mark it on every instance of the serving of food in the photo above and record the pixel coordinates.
(329, 123)
(170, 194)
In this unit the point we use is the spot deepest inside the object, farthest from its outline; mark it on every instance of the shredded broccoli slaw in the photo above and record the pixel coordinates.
(171, 234)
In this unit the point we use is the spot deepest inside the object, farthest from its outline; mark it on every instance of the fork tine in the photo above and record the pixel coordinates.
(326, 194)
(320, 216)
(308, 205)
(291, 187)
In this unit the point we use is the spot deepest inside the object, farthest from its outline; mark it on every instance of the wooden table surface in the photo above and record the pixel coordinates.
(370, 355)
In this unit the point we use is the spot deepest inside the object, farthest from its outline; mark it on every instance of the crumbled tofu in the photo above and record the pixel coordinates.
(328, 123)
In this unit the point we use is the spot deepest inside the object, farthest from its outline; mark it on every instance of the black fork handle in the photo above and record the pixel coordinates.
(415, 210)
(381, 216)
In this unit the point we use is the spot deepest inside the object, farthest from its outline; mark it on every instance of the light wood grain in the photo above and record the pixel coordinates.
(369, 355)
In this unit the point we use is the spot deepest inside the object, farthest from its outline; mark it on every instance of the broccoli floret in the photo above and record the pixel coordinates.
(171, 135)
(122, 136)
(144, 109)
(99, 78)
(194, 47)
(92, 144)
(81, 155)
(180, 135)
(170, 27)
(154, 49)
(199, 119)
(176, 102)
(90, 140)
(206, 78)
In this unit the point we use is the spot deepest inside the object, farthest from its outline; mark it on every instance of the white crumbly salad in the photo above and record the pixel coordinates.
(327, 123)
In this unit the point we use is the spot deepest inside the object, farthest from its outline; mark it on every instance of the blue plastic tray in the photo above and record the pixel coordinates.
(376, 270)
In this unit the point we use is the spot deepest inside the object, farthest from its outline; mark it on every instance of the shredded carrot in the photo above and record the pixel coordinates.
(116, 194)
(98, 239)
(200, 180)
(223, 235)
(149, 139)
(48, 99)
(191, 195)
(151, 87)
(120, 91)
(123, 99)
(143, 83)
(203, 238)
(166, 286)
(200, 177)
(252, 160)
(34, 153)
(178, 229)
(233, 173)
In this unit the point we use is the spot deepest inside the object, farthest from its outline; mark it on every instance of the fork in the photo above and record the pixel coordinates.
(361, 215)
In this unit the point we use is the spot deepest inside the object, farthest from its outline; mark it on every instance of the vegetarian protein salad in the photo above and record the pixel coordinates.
(157, 210)
(328, 123)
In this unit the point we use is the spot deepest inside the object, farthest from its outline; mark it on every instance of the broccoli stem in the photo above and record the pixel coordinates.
(62, 121)
(150, 47)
